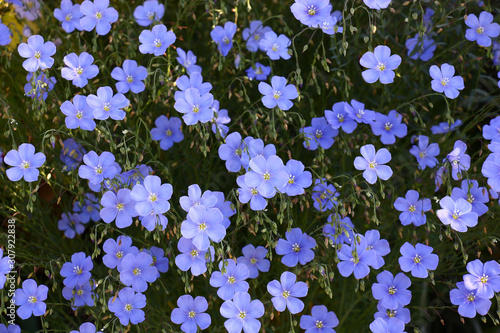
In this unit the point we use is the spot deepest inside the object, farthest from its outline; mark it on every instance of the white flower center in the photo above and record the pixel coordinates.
(267, 176)
(194, 253)
(25, 164)
(381, 66)
(417, 259)
(225, 40)
(38, 54)
(295, 247)
(157, 42)
(196, 109)
(128, 307)
(98, 15)
(79, 71)
(79, 115)
(480, 30)
(32, 299)
(392, 290)
(68, 17)
(107, 107)
(191, 314)
(445, 81)
(277, 94)
(275, 47)
(388, 126)
(152, 197)
(130, 78)
(242, 314)
(137, 271)
(319, 324)
(311, 10)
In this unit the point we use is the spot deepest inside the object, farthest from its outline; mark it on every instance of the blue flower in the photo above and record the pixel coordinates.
(220, 119)
(119, 207)
(392, 325)
(380, 65)
(492, 130)
(69, 15)
(298, 179)
(242, 314)
(195, 106)
(380, 246)
(71, 225)
(86, 328)
(286, 293)
(97, 15)
(296, 248)
(167, 131)
(413, 210)
(483, 278)
(24, 163)
(192, 257)
(377, 4)
(258, 72)
(10, 329)
(89, 209)
(469, 302)
(77, 271)
(266, 175)
(425, 153)
(79, 69)
(340, 117)
(130, 77)
(97, 168)
(223, 37)
(356, 258)
(156, 41)
(401, 313)
(38, 53)
(5, 34)
(230, 279)
(255, 260)
(482, 29)
(71, 154)
(203, 225)
(275, 46)
(330, 25)
(459, 160)
(38, 87)
(7, 265)
(456, 213)
(150, 11)
(320, 133)
(78, 114)
(392, 291)
(136, 270)
(81, 294)
(195, 197)
(30, 299)
(106, 105)
(320, 321)
(340, 231)
(152, 196)
(324, 195)
(117, 250)
(418, 259)
(254, 34)
(491, 170)
(233, 152)
(246, 194)
(256, 148)
(389, 127)
(373, 163)
(188, 61)
(278, 93)
(356, 110)
(127, 306)
(190, 313)
(195, 80)
(311, 12)
(159, 260)
(420, 47)
(443, 80)
(477, 196)
(444, 127)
